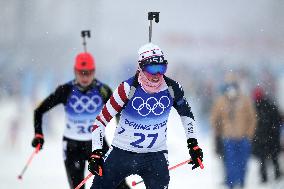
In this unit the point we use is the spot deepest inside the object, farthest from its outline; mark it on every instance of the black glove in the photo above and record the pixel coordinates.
(96, 162)
(38, 139)
(195, 152)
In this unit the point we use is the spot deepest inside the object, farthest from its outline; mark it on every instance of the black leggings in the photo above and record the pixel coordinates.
(263, 167)
(152, 167)
(75, 154)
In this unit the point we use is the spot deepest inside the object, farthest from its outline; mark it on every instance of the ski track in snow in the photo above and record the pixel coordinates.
(47, 170)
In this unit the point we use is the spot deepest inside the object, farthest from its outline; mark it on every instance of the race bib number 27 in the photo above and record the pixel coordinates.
(144, 140)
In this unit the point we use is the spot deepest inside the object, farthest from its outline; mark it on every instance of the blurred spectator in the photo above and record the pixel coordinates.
(13, 132)
(266, 143)
(233, 119)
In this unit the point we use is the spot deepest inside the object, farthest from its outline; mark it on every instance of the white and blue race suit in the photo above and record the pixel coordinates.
(143, 123)
(81, 110)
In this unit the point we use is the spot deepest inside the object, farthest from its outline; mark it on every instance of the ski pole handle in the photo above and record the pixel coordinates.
(200, 163)
(29, 161)
(37, 148)
(84, 181)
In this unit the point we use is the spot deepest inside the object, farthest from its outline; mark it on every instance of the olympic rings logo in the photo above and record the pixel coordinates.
(144, 107)
(85, 103)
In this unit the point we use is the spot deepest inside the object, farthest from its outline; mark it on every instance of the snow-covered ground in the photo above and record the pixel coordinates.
(47, 171)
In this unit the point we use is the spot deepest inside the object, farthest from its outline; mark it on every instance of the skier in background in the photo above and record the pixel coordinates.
(83, 99)
(139, 145)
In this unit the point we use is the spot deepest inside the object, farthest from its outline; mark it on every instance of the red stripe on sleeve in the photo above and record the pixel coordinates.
(95, 127)
(106, 114)
(100, 120)
(121, 93)
(114, 104)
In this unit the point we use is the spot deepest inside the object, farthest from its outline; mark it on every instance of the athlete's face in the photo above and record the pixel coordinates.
(153, 78)
(84, 77)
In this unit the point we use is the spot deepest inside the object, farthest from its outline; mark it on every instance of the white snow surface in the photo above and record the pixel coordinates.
(47, 170)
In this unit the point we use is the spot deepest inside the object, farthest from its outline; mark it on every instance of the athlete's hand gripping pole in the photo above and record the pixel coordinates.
(171, 168)
(95, 166)
(195, 152)
(96, 162)
(29, 161)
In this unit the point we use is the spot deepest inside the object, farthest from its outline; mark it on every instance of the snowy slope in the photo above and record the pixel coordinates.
(47, 170)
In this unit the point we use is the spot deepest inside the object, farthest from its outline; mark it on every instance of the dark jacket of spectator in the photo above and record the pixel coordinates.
(266, 141)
